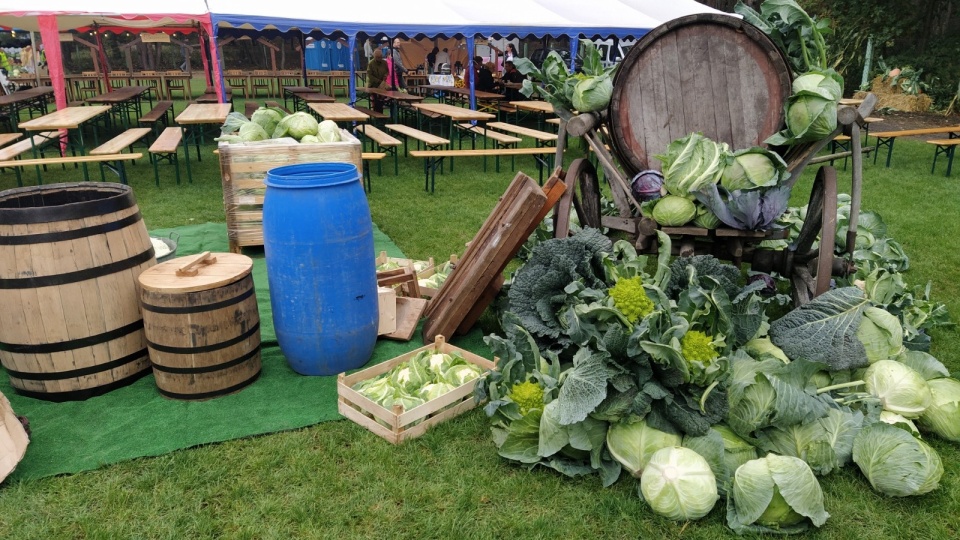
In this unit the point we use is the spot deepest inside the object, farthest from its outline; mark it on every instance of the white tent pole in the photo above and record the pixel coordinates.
(33, 57)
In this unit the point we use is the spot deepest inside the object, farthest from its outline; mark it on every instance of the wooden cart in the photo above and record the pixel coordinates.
(723, 77)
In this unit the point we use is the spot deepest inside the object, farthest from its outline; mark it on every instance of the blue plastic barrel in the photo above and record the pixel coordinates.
(318, 242)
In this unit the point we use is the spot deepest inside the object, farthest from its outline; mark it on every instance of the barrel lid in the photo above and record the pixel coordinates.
(212, 270)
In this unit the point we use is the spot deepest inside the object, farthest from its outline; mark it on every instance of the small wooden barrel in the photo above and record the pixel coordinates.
(711, 73)
(202, 325)
(70, 254)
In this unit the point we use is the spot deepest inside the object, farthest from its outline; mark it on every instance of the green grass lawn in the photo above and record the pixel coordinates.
(337, 480)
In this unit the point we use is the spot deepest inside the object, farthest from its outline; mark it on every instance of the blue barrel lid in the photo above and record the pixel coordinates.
(311, 175)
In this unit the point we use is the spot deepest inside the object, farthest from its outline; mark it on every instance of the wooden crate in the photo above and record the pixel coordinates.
(430, 292)
(387, 304)
(244, 166)
(403, 263)
(366, 413)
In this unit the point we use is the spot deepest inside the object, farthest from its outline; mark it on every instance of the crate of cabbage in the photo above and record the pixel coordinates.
(247, 153)
(401, 398)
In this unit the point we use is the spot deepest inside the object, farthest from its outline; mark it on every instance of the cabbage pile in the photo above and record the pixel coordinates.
(682, 382)
(588, 90)
(274, 123)
(425, 377)
(707, 184)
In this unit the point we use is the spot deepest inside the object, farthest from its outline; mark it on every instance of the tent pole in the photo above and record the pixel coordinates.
(104, 68)
(303, 58)
(574, 45)
(351, 48)
(470, 54)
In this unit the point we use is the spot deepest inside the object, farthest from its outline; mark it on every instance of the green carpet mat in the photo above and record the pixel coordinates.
(137, 421)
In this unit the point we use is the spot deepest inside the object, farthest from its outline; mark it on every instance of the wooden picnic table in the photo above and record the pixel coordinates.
(851, 101)
(192, 121)
(393, 97)
(455, 114)
(69, 118)
(125, 100)
(479, 94)
(338, 112)
(32, 99)
(541, 108)
(303, 96)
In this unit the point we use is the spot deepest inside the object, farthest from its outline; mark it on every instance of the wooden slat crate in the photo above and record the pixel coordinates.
(430, 292)
(366, 413)
(244, 166)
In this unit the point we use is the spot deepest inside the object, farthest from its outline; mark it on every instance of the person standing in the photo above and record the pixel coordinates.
(510, 53)
(368, 51)
(443, 57)
(432, 60)
(377, 73)
(483, 76)
(398, 69)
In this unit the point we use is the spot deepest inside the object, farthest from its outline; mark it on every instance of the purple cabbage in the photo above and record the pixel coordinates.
(748, 210)
(647, 185)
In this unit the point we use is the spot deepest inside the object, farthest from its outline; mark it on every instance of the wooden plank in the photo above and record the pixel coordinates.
(381, 137)
(485, 256)
(117, 144)
(168, 142)
(525, 131)
(482, 152)
(920, 131)
(70, 159)
(490, 134)
(423, 136)
(409, 312)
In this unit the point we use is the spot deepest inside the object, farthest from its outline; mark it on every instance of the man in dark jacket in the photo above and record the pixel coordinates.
(376, 77)
(512, 78)
(483, 76)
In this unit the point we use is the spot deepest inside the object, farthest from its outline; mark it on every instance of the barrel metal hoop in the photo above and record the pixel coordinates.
(205, 348)
(214, 393)
(60, 375)
(78, 395)
(46, 238)
(207, 369)
(198, 309)
(66, 212)
(79, 275)
(73, 344)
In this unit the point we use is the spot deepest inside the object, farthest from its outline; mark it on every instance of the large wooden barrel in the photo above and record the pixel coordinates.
(203, 329)
(711, 73)
(70, 254)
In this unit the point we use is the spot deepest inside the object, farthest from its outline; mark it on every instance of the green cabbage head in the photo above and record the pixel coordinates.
(942, 417)
(250, 132)
(811, 117)
(692, 163)
(775, 494)
(674, 211)
(297, 125)
(900, 389)
(895, 462)
(752, 168)
(678, 484)
(592, 93)
(328, 131)
(632, 444)
(881, 334)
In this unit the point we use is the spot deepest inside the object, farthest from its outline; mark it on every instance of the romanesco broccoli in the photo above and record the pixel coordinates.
(697, 347)
(527, 395)
(630, 298)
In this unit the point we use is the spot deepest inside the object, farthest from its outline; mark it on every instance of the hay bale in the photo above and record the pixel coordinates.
(892, 97)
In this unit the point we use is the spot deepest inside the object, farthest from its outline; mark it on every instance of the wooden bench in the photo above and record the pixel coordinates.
(887, 138)
(250, 107)
(117, 144)
(15, 150)
(433, 158)
(945, 147)
(376, 115)
(119, 159)
(429, 140)
(7, 138)
(382, 142)
(162, 111)
(367, 157)
(166, 148)
(500, 140)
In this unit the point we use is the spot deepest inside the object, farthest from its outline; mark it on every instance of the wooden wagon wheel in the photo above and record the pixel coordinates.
(812, 269)
(582, 177)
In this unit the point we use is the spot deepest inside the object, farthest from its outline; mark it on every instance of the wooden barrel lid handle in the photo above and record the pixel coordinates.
(190, 270)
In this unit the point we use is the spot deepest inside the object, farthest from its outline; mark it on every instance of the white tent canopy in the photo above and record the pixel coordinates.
(604, 18)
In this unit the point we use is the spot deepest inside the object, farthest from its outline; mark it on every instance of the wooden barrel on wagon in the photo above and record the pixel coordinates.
(70, 323)
(202, 325)
(711, 73)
